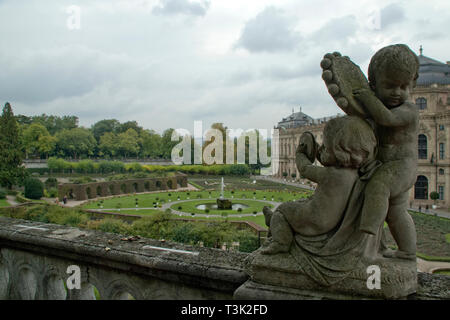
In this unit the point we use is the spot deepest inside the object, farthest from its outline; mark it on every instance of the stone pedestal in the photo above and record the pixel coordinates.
(223, 204)
(280, 277)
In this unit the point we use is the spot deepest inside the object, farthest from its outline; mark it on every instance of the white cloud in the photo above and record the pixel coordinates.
(269, 31)
(246, 64)
(171, 7)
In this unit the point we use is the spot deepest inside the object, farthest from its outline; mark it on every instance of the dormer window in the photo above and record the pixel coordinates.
(421, 103)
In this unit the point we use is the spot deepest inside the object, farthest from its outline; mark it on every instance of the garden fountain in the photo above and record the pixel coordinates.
(222, 202)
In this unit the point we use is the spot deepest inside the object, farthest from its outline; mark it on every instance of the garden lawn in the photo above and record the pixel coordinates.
(4, 203)
(148, 200)
(190, 207)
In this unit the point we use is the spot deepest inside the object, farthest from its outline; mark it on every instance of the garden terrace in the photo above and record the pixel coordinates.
(34, 258)
(92, 190)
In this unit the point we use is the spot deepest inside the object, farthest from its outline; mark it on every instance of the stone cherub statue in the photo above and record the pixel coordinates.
(348, 144)
(328, 242)
(393, 72)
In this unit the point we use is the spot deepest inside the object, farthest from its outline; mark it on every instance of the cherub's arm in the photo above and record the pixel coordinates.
(308, 170)
(396, 117)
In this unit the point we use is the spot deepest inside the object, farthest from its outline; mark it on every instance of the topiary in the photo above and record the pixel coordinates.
(34, 188)
(51, 183)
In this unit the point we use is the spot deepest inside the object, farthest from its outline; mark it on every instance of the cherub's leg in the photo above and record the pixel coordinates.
(402, 228)
(376, 202)
(282, 235)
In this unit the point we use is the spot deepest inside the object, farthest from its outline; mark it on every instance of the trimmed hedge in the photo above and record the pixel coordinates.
(34, 189)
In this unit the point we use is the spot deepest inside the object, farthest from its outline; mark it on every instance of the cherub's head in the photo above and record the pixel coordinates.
(393, 72)
(348, 142)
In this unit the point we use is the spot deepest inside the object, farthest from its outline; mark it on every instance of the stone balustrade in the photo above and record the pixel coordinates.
(37, 261)
(35, 258)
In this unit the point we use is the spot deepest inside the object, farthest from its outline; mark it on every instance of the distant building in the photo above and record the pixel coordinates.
(432, 97)
(290, 130)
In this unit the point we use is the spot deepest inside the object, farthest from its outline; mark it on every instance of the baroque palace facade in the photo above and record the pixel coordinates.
(432, 97)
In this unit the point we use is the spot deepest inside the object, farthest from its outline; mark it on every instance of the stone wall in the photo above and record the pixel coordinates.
(35, 257)
(92, 190)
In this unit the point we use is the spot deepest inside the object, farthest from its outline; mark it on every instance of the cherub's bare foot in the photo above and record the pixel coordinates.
(267, 215)
(275, 247)
(399, 254)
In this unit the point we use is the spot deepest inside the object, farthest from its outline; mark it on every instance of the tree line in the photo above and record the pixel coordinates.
(52, 136)
(44, 136)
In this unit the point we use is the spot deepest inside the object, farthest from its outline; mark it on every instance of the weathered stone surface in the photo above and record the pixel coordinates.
(34, 258)
(326, 243)
(31, 253)
(398, 278)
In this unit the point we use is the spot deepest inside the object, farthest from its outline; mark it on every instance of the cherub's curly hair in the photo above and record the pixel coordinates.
(353, 141)
(398, 58)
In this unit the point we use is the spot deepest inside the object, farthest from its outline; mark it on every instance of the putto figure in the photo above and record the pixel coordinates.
(393, 72)
(348, 144)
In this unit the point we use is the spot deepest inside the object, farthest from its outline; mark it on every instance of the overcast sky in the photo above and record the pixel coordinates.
(166, 63)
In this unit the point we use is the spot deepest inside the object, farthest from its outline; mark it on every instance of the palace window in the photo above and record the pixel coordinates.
(421, 103)
(441, 151)
(441, 127)
(441, 192)
(441, 171)
(422, 143)
(421, 188)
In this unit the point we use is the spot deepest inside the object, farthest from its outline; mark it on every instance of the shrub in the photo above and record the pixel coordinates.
(2, 194)
(34, 188)
(434, 195)
(113, 225)
(51, 183)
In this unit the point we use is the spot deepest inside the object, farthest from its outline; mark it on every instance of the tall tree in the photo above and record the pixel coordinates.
(128, 142)
(109, 144)
(103, 126)
(76, 142)
(151, 144)
(11, 156)
(37, 140)
(167, 144)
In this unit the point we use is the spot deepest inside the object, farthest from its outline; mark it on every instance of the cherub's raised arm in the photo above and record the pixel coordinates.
(396, 117)
(308, 170)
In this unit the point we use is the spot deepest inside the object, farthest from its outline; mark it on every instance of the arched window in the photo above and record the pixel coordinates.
(422, 144)
(421, 188)
(421, 103)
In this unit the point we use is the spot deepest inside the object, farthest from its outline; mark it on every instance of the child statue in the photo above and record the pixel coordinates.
(393, 72)
(348, 144)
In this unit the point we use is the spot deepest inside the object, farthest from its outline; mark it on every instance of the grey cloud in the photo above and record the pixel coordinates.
(269, 31)
(53, 73)
(391, 14)
(170, 7)
(336, 30)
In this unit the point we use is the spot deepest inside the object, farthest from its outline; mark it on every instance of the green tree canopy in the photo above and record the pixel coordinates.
(11, 155)
(128, 142)
(76, 142)
(103, 126)
(37, 140)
